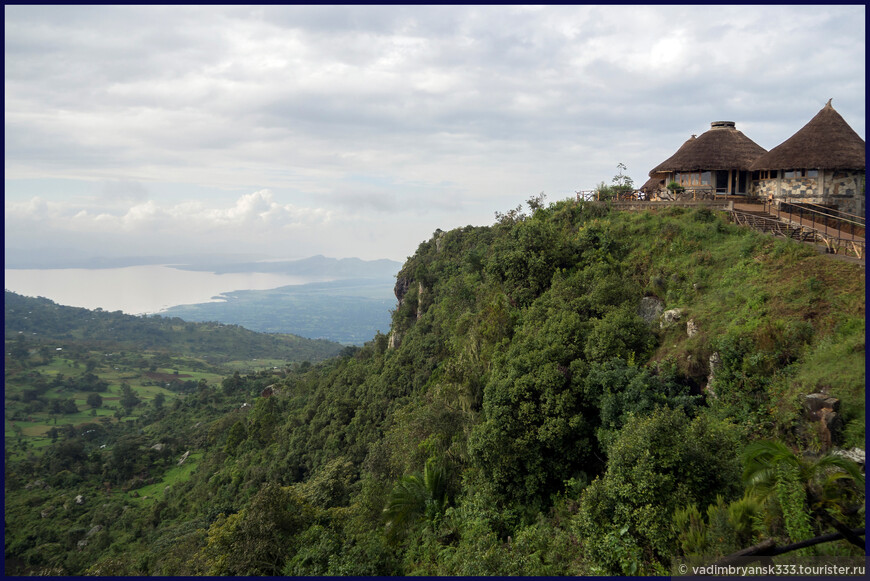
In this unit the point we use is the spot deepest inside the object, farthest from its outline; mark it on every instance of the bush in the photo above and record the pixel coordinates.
(656, 464)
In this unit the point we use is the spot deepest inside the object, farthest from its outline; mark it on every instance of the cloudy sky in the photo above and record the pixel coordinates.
(357, 131)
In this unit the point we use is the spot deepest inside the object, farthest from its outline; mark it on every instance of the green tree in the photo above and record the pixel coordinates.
(128, 399)
(621, 391)
(622, 183)
(236, 436)
(811, 493)
(258, 539)
(657, 463)
(19, 349)
(538, 429)
(417, 497)
(94, 400)
(621, 333)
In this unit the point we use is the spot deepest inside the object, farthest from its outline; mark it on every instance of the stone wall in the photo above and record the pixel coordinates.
(843, 189)
(805, 188)
(764, 188)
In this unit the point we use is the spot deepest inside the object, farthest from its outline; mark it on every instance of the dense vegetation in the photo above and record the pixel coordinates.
(522, 417)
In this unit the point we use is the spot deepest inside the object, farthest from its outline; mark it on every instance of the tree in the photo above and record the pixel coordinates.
(19, 349)
(129, 399)
(622, 183)
(811, 492)
(417, 496)
(128, 457)
(621, 391)
(257, 540)
(656, 464)
(536, 431)
(94, 400)
(47, 354)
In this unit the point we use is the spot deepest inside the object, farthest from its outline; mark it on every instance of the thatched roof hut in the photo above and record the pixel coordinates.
(722, 147)
(826, 142)
(655, 183)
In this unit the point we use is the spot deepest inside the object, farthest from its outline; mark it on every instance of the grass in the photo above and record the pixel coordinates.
(798, 307)
(156, 491)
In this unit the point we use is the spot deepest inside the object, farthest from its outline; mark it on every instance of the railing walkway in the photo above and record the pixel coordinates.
(838, 231)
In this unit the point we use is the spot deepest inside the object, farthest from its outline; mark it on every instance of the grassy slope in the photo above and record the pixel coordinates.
(794, 303)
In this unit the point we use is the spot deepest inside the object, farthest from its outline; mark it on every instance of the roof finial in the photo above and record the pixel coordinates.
(829, 102)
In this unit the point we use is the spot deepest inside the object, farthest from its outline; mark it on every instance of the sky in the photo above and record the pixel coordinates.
(355, 131)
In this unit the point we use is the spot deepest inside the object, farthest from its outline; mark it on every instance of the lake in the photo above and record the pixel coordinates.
(138, 290)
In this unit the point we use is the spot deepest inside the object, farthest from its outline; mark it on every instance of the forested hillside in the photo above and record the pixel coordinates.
(39, 320)
(570, 391)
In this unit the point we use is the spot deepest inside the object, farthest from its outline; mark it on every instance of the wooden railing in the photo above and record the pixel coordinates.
(822, 218)
(834, 239)
(685, 195)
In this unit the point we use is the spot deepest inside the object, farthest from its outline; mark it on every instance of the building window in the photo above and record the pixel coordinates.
(688, 179)
(767, 174)
(800, 173)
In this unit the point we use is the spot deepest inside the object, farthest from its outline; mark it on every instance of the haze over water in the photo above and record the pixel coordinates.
(138, 289)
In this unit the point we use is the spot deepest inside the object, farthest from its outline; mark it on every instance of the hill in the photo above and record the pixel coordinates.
(572, 391)
(346, 311)
(41, 320)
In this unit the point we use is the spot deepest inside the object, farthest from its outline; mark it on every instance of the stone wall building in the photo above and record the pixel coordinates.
(823, 163)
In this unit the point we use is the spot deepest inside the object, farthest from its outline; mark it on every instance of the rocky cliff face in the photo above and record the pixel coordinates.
(401, 288)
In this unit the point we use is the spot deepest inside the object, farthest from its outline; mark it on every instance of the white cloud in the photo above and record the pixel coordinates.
(257, 212)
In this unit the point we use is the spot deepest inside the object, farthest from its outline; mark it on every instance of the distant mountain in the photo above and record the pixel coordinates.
(321, 266)
(51, 258)
(339, 268)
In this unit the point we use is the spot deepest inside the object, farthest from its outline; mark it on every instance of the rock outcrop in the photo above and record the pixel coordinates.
(403, 284)
(856, 455)
(670, 317)
(419, 300)
(650, 309)
(824, 409)
(714, 363)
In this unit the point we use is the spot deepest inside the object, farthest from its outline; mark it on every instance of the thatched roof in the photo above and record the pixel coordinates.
(826, 142)
(655, 182)
(722, 147)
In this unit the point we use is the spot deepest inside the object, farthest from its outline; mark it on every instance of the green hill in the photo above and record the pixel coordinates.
(573, 391)
(41, 320)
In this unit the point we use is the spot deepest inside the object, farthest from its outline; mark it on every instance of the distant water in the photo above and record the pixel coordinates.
(138, 289)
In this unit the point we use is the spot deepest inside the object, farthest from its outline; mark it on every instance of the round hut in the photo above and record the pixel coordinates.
(717, 161)
(823, 163)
